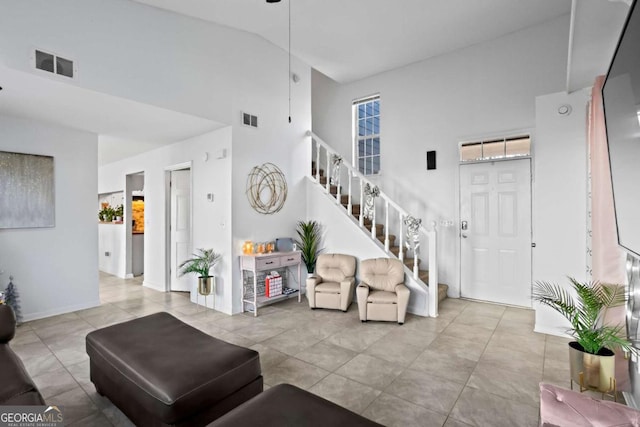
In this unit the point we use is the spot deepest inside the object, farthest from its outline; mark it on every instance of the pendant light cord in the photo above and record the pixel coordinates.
(289, 76)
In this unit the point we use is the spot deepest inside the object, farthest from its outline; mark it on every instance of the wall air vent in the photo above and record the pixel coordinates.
(249, 120)
(54, 64)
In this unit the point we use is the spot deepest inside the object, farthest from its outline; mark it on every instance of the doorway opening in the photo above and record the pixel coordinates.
(135, 225)
(178, 191)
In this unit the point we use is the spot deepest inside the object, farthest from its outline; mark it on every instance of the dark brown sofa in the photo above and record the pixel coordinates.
(16, 386)
(288, 405)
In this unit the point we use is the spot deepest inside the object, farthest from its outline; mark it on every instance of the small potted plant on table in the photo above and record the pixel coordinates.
(201, 264)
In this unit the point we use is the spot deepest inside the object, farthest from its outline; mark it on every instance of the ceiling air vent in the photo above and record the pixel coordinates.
(54, 64)
(249, 120)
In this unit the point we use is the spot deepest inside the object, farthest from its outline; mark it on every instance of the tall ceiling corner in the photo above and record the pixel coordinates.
(593, 37)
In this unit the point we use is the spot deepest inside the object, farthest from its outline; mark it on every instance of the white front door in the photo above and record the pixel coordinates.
(180, 227)
(495, 231)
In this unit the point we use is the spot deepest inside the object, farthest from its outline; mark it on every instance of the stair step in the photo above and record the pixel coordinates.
(355, 209)
(344, 200)
(442, 288)
(323, 179)
(442, 291)
(395, 250)
(313, 172)
(379, 228)
(392, 239)
(333, 189)
(424, 275)
(409, 262)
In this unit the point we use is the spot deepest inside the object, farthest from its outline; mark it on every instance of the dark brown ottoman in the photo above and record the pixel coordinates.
(286, 405)
(160, 371)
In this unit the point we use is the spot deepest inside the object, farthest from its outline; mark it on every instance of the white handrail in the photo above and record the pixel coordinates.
(429, 233)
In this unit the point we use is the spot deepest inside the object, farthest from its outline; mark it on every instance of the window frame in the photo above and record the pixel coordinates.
(357, 138)
(503, 140)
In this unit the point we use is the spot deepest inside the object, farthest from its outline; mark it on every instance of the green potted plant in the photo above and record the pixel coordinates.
(309, 233)
(201, 264)
(591, 355)
(118, 212)
(106, 214)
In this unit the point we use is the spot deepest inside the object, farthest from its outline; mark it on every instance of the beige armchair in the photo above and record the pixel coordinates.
(381, 293)
(332, 286)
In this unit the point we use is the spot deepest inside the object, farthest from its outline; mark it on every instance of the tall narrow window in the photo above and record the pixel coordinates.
(366, 118)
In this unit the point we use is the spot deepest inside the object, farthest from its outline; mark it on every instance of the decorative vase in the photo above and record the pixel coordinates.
(592, 371)
(7, 323)
(205, 285)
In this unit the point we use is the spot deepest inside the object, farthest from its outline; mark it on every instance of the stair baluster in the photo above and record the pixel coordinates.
(401, 234)
(318, 164)
(349, 199)
(386, 225)
(361, 213)
(327, 173)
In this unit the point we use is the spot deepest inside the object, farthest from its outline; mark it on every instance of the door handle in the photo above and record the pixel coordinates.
(464, 236)
(464, 225)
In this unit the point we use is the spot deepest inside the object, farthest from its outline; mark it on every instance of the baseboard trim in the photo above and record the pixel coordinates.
(153, 286)
(550, 330)
(59, 310)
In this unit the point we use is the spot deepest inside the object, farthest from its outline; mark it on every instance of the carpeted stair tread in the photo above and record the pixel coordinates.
(379, 228)
(392, 239)
(409, 262)
(442, 291)
(442, 288)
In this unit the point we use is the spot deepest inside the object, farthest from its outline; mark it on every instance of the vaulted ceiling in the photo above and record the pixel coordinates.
(350, 40)
(345, 39)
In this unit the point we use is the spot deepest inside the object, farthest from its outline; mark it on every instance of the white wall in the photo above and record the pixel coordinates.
(55, 269)
(183, 64)
(211, 222)
(486, 89)
(111, 240)
(276, 141)
(130, 50)
(560, 197)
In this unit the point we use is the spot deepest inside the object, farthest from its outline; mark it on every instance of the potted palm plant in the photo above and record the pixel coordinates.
(591, 356)
(309, 243)
(201, 264)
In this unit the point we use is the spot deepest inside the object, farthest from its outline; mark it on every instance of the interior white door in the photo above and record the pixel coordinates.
(180, 227)
(495, 231)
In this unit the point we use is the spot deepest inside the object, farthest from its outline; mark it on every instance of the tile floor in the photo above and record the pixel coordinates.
(475, 365)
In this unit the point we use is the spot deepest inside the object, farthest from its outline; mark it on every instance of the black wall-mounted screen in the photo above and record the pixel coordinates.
(621, 99)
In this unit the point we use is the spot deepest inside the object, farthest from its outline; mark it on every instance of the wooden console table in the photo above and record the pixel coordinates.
(265, 263)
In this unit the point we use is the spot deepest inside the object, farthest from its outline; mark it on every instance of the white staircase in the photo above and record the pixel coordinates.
(349, 189)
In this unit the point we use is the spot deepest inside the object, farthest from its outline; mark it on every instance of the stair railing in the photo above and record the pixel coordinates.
(388, 205)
